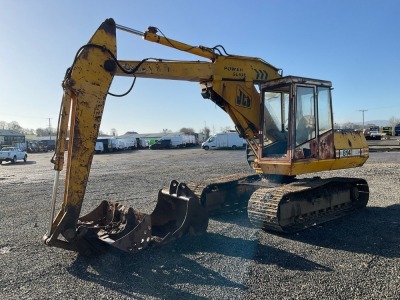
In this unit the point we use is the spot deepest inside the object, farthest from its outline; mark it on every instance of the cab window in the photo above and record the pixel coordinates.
(305, 115)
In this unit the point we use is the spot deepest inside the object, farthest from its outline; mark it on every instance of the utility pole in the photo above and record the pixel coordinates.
(49, 128)
(362, 111)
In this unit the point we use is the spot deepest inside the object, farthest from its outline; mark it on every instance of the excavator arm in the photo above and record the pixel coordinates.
(85, 88)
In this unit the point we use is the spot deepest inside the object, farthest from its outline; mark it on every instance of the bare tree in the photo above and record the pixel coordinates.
(394, 121)
(114, 132)
(187, 130)
(3, 125)
(42, 132)
(349, 125)
(225, 129)
(28, 131)
(206, 131)
(14, 125)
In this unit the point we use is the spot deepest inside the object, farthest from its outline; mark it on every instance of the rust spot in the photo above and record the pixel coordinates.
(326, 147)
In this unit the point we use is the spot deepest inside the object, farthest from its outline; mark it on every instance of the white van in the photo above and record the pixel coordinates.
(225, 140)
(99, 148)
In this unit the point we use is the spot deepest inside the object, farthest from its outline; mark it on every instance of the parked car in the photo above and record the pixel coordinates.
(372, 133)
(12, 154)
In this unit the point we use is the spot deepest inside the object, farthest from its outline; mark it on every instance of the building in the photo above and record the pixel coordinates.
(11, 137)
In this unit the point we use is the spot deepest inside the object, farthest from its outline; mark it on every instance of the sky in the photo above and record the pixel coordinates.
(355, 44)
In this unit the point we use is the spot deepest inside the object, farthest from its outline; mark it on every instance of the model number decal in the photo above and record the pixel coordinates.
(348, 152)
(236, 71)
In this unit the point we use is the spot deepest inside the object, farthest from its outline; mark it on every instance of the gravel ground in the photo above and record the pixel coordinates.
(357, 257)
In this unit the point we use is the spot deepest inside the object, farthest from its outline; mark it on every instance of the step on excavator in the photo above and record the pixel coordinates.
(287, 122)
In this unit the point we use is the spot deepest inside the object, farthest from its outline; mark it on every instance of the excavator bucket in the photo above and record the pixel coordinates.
(178, 211)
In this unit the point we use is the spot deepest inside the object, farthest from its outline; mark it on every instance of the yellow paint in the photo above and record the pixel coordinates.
(88, 85)
(309, 166)
(342, 141)
(349, 140)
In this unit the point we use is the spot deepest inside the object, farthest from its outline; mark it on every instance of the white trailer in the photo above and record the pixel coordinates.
(177, 141)
(225, 140)
(120, 144)
(189, 140)
(130, 143)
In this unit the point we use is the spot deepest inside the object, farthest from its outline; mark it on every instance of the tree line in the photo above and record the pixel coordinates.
(14, 125)
(349, 125)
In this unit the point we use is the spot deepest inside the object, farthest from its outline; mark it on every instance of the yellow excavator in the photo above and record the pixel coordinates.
(287, 122)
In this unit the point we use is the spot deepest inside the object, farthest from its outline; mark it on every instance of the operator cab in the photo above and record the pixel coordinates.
(297, 121)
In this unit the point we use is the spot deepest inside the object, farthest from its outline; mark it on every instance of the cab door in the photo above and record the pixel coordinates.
(313, 123)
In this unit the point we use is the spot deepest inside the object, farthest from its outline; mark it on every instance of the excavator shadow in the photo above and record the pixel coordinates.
(161, 272)
(237, 217)
(18, 163)
(373, 230)
(251, 249)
